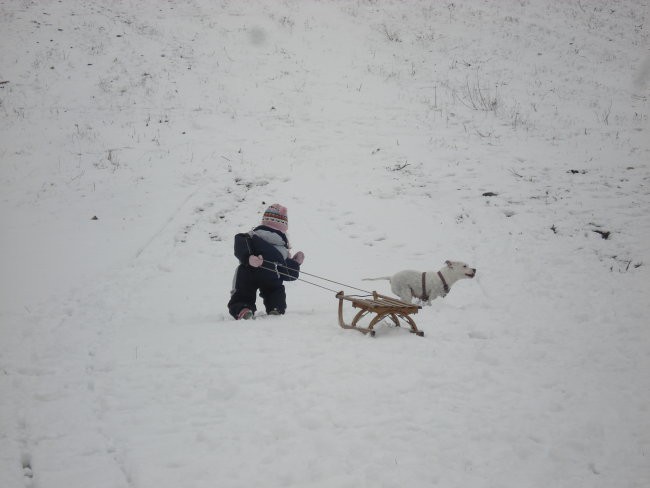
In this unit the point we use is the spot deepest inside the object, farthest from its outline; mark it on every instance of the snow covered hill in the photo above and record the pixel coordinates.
(137, 137)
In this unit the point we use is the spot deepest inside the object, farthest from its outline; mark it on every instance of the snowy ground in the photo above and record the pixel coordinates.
(137, 137)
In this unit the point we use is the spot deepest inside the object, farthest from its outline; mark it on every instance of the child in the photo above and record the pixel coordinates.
(264, 263)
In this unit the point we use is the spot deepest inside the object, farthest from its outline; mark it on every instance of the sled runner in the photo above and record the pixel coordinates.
(383, 307)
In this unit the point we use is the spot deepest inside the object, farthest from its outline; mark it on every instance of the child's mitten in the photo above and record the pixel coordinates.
(255, 261)
(299, 257)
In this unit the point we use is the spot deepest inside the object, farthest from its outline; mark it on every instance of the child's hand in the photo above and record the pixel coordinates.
(299, 257)
(256, 261)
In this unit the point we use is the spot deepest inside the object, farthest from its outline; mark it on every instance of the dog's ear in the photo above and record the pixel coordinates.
(448, 263)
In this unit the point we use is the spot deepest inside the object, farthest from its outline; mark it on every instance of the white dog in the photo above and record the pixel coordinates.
(429, 285)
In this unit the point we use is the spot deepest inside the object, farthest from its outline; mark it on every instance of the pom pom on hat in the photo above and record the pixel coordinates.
(275, 217)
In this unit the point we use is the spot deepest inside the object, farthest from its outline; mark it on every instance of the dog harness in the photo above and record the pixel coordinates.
(444, 283)
(425, 296)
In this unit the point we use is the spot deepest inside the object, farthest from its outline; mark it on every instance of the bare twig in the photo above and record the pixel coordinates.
(476, 98)
(398, 166)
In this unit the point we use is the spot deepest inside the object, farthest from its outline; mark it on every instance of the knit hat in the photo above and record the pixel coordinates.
(275, 217)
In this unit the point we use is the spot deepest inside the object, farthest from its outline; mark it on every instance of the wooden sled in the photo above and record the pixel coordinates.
(383, 307)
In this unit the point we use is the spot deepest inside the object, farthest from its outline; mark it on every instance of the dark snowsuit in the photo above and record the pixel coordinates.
(268, 281)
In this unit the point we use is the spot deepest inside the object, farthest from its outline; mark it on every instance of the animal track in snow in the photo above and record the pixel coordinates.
(28, 472)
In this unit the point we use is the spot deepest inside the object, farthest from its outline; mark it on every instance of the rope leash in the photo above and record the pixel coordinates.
(278, 272)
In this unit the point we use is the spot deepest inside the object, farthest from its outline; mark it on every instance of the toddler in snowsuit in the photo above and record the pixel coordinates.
(264, 263)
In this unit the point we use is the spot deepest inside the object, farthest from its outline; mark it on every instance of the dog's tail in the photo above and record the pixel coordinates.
(376, 279)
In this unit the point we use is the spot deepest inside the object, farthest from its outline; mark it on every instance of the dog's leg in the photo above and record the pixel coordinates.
(404, 294)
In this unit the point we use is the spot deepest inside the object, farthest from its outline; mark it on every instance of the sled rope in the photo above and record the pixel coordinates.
(280, 273)
(277, 271)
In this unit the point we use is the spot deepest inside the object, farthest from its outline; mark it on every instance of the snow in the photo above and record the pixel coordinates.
(138, 137)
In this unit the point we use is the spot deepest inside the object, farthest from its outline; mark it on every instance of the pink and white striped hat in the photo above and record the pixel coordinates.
(276, 218)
